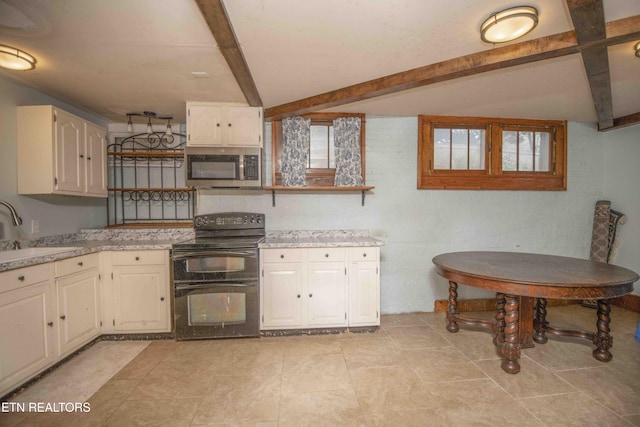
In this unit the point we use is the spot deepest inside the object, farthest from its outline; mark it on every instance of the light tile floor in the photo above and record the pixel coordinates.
(412, 372)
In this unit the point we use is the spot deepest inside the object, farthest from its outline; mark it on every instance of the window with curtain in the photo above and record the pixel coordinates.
(321, 157)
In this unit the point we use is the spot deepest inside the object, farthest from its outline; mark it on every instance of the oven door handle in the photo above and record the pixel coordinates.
(214, 285)
(209, 254)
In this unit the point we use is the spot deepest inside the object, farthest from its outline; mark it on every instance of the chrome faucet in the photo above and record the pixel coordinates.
(14, 215)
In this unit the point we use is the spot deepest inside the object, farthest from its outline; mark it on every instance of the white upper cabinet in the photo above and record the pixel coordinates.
(96, 160)
(222, 125)
(59, 153)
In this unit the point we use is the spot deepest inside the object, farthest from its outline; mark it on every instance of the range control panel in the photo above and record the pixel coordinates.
(229, 220)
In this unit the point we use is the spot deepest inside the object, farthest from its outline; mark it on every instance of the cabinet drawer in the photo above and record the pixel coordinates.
(138, 257)
(281, 255)
(365, 253)
(21, 277)
(76, 264)
(326, 254)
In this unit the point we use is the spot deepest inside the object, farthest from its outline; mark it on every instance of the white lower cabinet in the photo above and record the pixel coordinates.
(282, 295)
(364, 290)
(137, 299)
(320, 287)
(27, 326)
(78, 302)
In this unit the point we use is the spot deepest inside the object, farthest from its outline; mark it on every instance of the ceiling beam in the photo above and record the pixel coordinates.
(218, 21)
(557, 45)
(589, 25)
(624, 121)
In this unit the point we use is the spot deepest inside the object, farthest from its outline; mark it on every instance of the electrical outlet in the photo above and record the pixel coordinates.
(35, 226)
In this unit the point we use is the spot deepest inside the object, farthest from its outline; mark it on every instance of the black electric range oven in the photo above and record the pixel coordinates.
(216, 277)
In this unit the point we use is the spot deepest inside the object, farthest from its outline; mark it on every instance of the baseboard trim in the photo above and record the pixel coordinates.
(487, 304)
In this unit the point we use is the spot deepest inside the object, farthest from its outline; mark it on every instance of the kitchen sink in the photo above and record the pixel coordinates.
(20, 254)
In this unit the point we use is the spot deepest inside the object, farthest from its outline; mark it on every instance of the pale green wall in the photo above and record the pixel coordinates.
(622, 187)
(416, 224)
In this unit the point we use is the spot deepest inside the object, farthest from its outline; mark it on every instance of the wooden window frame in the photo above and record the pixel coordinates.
(492, 177)
(316, 177)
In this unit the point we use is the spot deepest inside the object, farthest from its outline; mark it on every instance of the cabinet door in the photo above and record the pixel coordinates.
(327, 294)
(364, 294)
(205, 125)
(26, 337)
(69, 153)
(141, 298)
(96, 160)
(78, 310)
(281, 295)
(244, 126)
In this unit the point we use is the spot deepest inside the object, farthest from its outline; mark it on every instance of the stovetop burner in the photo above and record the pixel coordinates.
(225, 230)
(219, 243)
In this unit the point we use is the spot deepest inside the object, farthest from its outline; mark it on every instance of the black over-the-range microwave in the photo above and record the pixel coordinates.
(218, 167)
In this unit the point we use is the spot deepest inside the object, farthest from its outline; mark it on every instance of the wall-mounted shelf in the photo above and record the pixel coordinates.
(316, 189)
(146, 181)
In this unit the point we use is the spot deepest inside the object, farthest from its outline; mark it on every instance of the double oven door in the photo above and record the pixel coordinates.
(216, 293)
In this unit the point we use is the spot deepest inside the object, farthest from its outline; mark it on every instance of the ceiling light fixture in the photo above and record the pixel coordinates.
(637, 49)
(150, 115)
(16, 59)
(509, 24)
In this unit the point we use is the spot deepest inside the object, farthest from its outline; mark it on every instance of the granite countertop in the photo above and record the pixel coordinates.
(317, 239)
(96, 240)
(91, 241)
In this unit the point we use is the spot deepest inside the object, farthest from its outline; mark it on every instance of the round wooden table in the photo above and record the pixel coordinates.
(520, 278)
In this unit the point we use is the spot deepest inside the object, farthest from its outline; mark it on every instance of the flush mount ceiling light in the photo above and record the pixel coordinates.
(509, 24)
(637, 49)
(16, 59)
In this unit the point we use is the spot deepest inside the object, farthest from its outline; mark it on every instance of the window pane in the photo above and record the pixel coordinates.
(476, 149)
(460, 145)
(509, 150)
(319, 147)
(441, 148)
(525, 151)
(542, 151)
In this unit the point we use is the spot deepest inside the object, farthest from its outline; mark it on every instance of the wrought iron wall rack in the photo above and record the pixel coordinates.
(146, 181)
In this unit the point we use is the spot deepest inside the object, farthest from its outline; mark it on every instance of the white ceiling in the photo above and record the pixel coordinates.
(118, 56)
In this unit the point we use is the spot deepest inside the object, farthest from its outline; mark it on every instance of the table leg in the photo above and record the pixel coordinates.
(539, 335)
(498, 338)
(525, 321)
(510, 349)
(602, 339)
(452, 325)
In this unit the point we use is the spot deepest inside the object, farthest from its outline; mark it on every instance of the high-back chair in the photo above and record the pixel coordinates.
(604, 237)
